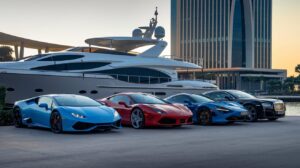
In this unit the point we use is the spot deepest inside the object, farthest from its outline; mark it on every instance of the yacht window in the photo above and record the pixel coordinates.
(82, 92)
(38, 90)
(61, 58)
(72, 66)
(138, 75)
(160, 93)
(10, 89)
(35, 57)
(94, 92)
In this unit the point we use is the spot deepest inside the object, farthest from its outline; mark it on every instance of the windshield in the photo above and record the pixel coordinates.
(146, 99)
(200, 99)
(76, 101)
(240, 94)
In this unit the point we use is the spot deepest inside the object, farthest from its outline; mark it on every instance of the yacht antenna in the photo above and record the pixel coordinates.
(149, 30)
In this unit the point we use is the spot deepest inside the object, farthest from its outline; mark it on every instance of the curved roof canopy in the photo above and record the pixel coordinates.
(7, 39)
(121, 43)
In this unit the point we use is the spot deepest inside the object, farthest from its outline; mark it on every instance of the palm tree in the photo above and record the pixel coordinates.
(6, 53)
(297, 68)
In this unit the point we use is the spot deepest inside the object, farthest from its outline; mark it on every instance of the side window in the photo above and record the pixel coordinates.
(181, 99)
(46, 100)
(120, 98)
(219, 95)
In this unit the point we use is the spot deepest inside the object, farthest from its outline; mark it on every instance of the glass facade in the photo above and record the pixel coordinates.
(213, 33)
(238, 36)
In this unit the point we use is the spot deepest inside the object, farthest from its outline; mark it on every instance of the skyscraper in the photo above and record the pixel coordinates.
(223, 33)
(226, 37)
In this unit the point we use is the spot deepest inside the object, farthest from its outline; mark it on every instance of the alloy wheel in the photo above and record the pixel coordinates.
(56, 122)
(137, 118)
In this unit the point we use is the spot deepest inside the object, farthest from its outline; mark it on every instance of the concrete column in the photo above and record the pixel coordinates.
(16, 52)
(39, 51)
(21, 55)
(46, 50)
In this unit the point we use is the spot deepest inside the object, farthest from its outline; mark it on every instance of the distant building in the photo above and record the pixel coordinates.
(231, 39)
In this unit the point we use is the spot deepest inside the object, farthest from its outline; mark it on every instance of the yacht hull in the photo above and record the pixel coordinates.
(22, 86)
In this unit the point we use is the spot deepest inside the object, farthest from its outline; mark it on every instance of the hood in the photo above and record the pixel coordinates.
(94, 114)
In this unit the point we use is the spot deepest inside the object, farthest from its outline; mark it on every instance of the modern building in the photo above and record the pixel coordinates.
(230, 39)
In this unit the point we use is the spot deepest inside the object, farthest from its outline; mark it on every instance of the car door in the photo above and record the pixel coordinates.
(123, 110)
(42, 114)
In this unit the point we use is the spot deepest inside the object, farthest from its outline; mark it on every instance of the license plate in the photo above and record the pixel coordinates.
(280, 112)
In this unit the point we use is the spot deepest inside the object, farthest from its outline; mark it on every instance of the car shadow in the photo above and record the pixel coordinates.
(113, 131)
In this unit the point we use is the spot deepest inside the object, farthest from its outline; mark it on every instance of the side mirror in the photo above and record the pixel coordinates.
(43, 105)
(123, 104)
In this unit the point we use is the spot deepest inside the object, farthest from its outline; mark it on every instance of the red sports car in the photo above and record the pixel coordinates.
(142, 110)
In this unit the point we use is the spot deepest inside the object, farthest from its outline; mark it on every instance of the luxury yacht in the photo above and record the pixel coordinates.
(106, 66)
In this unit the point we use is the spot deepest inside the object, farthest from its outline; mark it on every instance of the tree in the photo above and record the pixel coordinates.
(289, 84)
(297, 68)
(6, 54)
(274, 86)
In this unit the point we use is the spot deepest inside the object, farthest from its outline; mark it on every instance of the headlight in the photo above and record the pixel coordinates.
(267, 105)
(76, 115)
(158, 111)
(222, 109)
(116, 115)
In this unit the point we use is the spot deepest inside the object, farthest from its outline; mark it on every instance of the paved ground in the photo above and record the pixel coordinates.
(262, 144)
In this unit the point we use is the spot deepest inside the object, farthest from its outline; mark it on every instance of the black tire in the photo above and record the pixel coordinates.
(137, 123)
(204, 117)
(272, 119)
(253, 116)
(56, 122)
(18, 118)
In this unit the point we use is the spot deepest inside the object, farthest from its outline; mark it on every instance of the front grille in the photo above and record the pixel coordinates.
(279, 107)
(82, 126)
(182, 120)
(167, 121)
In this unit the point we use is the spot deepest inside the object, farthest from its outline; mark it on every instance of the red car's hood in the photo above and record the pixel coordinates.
(171, 109)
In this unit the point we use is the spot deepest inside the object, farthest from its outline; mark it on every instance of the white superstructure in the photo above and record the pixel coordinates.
(100, 71)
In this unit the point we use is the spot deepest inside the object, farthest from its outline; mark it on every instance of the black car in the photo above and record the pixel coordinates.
(258, 108)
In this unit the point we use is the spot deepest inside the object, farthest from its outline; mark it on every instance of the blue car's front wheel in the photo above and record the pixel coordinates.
(204, 117)
(56, 122)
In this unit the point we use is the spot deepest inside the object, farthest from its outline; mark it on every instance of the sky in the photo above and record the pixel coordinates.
(70, 22)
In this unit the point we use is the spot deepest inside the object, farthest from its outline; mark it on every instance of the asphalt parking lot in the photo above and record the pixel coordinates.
(261, 144)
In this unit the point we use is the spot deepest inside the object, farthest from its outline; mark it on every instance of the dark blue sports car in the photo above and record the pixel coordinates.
(206, 111)
(64, 112)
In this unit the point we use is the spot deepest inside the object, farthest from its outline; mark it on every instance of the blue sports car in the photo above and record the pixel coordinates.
(206, 111)
(64, 112)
